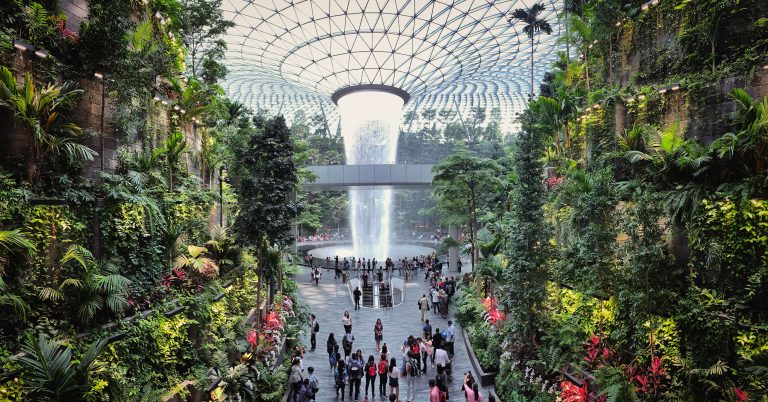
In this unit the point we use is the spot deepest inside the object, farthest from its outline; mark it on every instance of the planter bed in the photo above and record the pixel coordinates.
(486, 379)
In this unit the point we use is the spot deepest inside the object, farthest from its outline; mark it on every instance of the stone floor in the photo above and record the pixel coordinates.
(330, 299)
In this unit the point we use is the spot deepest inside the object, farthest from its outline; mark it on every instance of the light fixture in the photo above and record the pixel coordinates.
(164, 101)
(98, 76)
(182, 111)
(675, 87)
(641, 97)
(645, 7)
(23, 46)
(654, 2)
(618, 23)
(663, 90)
(596, 106)
(176, 107)
(41, 54)
(630, 99)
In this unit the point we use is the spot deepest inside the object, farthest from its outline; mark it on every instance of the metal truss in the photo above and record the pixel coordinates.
(292, 55)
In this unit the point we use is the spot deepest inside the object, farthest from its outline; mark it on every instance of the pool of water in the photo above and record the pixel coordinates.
(396, 251)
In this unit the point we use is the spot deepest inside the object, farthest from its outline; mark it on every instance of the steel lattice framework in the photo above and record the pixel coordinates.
(285, 56)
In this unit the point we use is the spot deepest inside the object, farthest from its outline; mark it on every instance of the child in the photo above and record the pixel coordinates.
(314, 383)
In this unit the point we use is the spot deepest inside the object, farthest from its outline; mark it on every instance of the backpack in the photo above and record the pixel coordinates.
(443, 396)
(354, 369)
(415, 349)
(346, 343)
(382, 367)
(317, 327)
(314, 384)
(371, 370)
(408, 369)
(296, 377)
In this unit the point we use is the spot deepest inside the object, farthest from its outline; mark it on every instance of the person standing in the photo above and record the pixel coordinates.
(410, 381)
(314, 383)
(450, 336)
(435, 299)
(313, 330)
(434, 392)
(378, 333)
(355, 371)
(382, 370)
(316, 275)
(423, 306)
(471, 391)
(427, 329)
(357, 293)
(340, 376)
(394, 378)
(346, 321)
(296, 378)
(370, 376)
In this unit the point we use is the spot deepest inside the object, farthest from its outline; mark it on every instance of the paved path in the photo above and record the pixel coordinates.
(330, 299)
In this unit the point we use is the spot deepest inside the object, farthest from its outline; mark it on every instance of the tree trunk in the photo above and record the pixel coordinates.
(32, 161)
(586, 70)
(568, 138)
(532, 42)
(258, 299)
(472, 227)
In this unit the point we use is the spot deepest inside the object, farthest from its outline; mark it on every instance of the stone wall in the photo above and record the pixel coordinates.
(76, 12)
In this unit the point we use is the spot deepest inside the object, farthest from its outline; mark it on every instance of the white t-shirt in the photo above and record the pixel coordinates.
(395, 373)
(346, 321)
(441, 357)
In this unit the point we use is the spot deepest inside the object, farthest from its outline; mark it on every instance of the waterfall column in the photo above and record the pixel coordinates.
(370, 124)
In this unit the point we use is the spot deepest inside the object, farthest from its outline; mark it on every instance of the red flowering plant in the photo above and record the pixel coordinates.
(598, 355)
(740, 395)
(553, 182)
(570, 392)
(66, 33)
(648, 380)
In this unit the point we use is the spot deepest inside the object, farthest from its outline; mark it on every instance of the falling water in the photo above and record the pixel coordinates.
(370, 126)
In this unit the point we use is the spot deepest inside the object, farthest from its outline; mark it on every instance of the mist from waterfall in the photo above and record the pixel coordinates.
(370, 124)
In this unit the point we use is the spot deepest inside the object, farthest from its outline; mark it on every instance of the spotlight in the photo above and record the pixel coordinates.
(176, 107)
(156, 97)
(23, 46)
(618, 24)
(98, 76)
(645, 7)
(596, 106)
(654, 2)
(164, 101)
(630, 99)
(675, 87)
(663, 90)
(641, 97)
(41, 54)
(182, 111)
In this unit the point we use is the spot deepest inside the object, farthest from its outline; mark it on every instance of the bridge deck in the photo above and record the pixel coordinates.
(342, 177)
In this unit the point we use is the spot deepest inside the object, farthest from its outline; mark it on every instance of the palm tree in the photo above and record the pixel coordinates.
(51, 373)
(43, 113)
(197, 261)
(533, 26)
(102, 286)
(750, 138)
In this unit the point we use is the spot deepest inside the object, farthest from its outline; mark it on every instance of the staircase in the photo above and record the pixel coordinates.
(368, 295)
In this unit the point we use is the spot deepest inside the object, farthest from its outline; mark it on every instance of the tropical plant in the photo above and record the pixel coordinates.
(43, 113)
(51, 373)
(80, 258)
(175, 146)
(102, 286)
(11, 240)
(748, 144)
(197, 261)
(533, 26)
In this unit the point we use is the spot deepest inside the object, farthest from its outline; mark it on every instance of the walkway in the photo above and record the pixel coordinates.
(328, 302)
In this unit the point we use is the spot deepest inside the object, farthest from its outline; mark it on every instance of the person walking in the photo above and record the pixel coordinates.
(346, 344)
(394, 379)
(423, 306)
(382, 370)
(435, 300)
(355, 374)
(357, 293)
(340, 376)
(331, 346)
(434, 392)
(314, 328)
(370, 376)
(316, 273)
(346, 321)
(378, 333)
(426, 330)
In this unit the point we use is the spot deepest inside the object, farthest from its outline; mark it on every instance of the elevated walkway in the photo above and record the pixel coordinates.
(345, 177)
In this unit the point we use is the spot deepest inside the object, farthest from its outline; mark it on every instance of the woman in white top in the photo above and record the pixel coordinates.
(346, 321)
(394, 378)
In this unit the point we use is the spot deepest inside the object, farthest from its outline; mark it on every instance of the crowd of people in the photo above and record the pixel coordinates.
(428, 353)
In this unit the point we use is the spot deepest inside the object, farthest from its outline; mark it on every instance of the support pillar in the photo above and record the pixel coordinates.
(453, 251)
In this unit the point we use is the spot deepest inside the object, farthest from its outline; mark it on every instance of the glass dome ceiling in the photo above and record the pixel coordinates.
(285, 56)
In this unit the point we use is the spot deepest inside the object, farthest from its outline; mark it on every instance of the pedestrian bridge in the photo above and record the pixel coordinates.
(396, 176)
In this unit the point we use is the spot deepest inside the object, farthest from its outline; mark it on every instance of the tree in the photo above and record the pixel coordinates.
(461, 184)
(10, 241)
(533, 25)
(526, 239)
(44, 114)
(264, 163)
(201, 26)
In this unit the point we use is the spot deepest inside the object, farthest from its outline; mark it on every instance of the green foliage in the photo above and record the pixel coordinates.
(51, 372)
